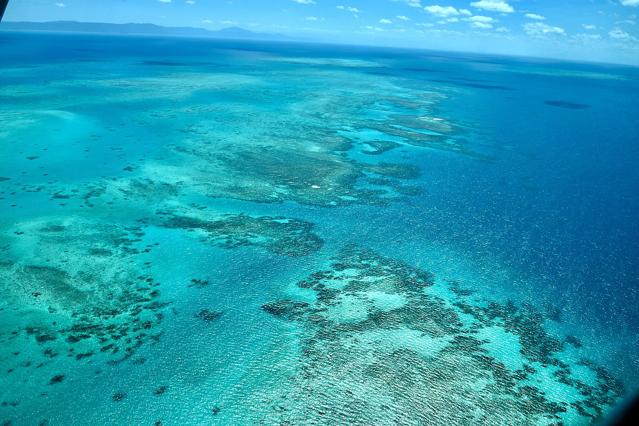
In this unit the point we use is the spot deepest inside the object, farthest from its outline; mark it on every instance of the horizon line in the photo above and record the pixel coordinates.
(292, 39)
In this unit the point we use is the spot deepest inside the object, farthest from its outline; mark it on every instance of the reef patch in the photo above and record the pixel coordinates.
(381, 346)
(96, 299)
(280, 235)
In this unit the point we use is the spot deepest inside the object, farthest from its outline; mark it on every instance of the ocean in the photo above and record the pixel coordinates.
(198, 232)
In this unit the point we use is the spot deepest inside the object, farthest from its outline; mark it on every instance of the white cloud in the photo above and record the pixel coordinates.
(589, 27)
(371, 28)
(304, 1)
(311, 18)
(448, 21)
(349, 8)
(632, 3)
(403, 18)
(619, 34)
(482, 19)
(164, 1)
(481, 22)
(355, 11)
(442, 11)
(385, 21)
(207, 21)
(61, 5)
(541, 29)
(411, 3)
(587, 37)
(493, 6)
(535, 17)
(228, 22)
(481, 25)
(191, 2)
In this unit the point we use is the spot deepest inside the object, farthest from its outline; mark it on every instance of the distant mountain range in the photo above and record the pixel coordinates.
(140, 29)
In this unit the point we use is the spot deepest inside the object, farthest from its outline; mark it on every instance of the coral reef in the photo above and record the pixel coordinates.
(207, 315)
(94, 299)
(382, 347)
(280, 235)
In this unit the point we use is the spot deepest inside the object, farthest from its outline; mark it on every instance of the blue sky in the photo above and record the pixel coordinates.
(599, 30)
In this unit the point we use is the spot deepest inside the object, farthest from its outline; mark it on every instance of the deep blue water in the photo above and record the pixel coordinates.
(528, 193)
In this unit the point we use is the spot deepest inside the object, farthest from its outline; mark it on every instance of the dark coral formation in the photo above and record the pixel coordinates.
(198, 283)
(160, 390)
(207, 315)
(287, 309)
(267, 175)
(56, 379)
(96, 300)
(118, 396)
(280, 235)
(381, 346)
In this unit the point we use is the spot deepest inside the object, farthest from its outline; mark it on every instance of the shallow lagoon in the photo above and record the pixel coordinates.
(196, 231)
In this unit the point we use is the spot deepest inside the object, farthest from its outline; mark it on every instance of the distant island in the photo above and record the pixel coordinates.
(235, 33)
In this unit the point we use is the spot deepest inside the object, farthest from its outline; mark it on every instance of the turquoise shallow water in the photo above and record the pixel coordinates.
(201, 232)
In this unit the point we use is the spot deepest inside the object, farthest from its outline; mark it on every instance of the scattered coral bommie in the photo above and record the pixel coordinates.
(97, 299)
